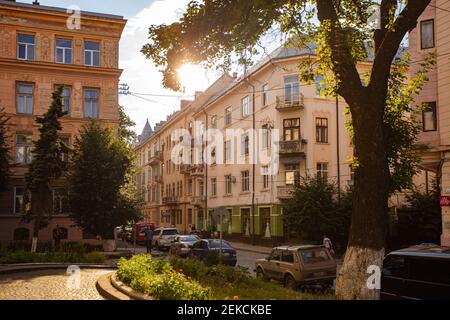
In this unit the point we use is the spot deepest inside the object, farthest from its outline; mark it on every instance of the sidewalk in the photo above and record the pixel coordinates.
(250, 248)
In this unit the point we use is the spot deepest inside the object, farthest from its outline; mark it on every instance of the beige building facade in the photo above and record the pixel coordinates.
(298, 132)
(39, 51)
(431, 36)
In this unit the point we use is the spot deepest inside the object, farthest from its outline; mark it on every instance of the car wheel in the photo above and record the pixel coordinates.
(290, 283)
(261, 275)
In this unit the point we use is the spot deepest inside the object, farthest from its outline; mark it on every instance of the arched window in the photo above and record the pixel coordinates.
(21, 234)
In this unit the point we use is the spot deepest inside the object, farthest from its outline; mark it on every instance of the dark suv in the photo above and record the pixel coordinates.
(417, 273)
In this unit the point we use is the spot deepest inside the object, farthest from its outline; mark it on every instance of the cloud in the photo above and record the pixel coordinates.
(140, 73)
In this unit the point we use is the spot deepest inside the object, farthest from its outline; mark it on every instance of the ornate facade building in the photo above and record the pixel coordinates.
(42, 47)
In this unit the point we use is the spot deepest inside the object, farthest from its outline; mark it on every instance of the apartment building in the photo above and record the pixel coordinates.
(291, 119)
(40, 48)
(431, 36)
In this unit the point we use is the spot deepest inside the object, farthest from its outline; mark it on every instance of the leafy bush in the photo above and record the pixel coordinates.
(63, 257)
(159, 279)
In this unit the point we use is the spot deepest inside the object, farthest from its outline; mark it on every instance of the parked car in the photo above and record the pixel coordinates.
(163, 237)
(420, 272)
(140, 231)
(182, 244)
(296, 265)
(201, 249)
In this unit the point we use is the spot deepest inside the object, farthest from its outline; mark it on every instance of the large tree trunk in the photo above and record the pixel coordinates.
(370, 201)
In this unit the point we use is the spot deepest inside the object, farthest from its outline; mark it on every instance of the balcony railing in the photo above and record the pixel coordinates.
(292, 147)
(198, 201)
(285, 192)
(170, 200)
(290, 102)
(185, 169)
(156, 158)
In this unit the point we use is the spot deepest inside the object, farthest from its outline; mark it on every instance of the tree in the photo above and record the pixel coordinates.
(47, 165)
(102, 195)
(341, 32)
(420, 220)
(4, 152)
(315, 210)
(125, 124)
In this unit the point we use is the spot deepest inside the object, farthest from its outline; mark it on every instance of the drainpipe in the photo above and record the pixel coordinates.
(205, 183)
(253, 160)
(338, 158)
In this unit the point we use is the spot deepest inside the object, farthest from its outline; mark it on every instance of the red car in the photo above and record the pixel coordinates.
(140, 231)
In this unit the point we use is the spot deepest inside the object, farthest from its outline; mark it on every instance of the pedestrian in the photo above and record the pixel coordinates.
(328, 244)
(189, 229)
(149, 239)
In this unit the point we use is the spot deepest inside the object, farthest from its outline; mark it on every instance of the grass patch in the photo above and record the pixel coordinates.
(227, 283)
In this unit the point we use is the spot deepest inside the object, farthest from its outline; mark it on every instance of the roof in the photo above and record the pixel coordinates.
(57, 9)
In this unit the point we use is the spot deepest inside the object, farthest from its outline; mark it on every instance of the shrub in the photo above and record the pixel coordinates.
(159, 279)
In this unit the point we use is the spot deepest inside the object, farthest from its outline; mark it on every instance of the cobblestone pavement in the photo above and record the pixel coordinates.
(49, 285)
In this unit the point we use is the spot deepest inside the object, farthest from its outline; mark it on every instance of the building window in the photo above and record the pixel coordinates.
(322, 171)
(25, 46)
(190, 186)
(292, 90)
(65, 154)
(429, 119)
(265, 95)
(245, 142)
(19, 193)
(427, 34)
(291, 174)
(60, 204)
(228, 184)
(24, 144)
(92, 53)
(213, 187)
(322, 130)
(179, 216)
(24, 94)
(228, 116)
(245, 106)
(266, 177)
(291, 129)
(265, 138)
(65, 98)
(227, 151)
(91, 97)
(201, 189)
(245, 175)
(63, 51)
(189, 216)
(63, 233)
(320, 85)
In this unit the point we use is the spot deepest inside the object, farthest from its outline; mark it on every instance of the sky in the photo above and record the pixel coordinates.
(139, 73)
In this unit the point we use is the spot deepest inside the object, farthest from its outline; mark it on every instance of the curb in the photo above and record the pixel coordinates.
(113, 289)
(29, 267)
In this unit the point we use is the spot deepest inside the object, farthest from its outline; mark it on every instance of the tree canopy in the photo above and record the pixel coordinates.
(102, 194)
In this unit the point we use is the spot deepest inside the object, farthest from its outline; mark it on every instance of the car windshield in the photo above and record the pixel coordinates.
(314, 256)
(216, 244)
(170, 232)
(189, 238)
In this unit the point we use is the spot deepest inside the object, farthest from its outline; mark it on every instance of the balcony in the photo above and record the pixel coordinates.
(290, 103)
(157, 179)
(156, 158)
(293, 147)
(198, 201)
(284, 192)
(185, 168)
(170, 200)
(197, 170)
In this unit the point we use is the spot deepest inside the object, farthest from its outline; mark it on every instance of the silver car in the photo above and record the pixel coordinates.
(163, 237)
(182, 244)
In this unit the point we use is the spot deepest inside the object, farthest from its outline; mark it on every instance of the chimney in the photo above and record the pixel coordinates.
(235, 74)
(36, 3)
